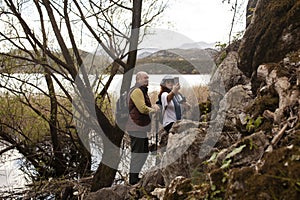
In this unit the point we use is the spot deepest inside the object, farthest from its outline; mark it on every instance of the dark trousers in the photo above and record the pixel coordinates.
(139, 153)
(168, 127)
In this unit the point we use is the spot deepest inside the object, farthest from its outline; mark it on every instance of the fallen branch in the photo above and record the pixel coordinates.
(276, 138)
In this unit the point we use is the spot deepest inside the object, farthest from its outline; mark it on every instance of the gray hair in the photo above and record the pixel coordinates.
(139, 75)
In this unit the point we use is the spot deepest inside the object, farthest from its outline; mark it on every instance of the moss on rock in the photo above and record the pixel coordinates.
(273, 33)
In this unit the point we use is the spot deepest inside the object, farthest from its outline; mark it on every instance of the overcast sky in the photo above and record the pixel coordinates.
(203, 20)
(189, 20)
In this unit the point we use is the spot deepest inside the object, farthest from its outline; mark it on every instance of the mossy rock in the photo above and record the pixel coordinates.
(273, 33)
(266, 100)
(178, 189)
(277, 179)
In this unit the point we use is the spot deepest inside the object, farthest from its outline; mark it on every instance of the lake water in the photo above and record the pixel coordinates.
(14, 81)
(186, 81)
(11, 177)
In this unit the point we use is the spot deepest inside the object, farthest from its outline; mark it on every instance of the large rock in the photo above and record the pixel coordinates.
(236, 100)
(229, 73)
(183, 149)
(226, 76)
(273, 32)
(117, 192)
(151, 180)
(234, 104)
(230, 114)
(191, 142)
(282, 78)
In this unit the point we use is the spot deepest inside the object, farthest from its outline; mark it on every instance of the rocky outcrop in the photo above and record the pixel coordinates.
(229, 73)
(255, 155)
(273, 32)
(246, 152)
(225, 77)
(248, 169)
(250, 10)
(276, 177)
(250, 147)
(244, 167)
(277, 77)
(182, 153)
(117, 192)
(178, 188)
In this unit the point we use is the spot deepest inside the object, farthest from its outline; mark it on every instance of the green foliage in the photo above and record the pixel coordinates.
(258, 122)
(220, 46)
(252, 124)
(227, 161)
(106, 106)
(215, 193)
(223, 56)
(226, 164)
(252, 145)
(235, 151)
(197, 177)
(22, 119)
(212, 159)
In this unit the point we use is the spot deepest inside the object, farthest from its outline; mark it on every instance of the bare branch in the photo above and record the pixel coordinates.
(9, 148)
(65, 52)
(121, 5)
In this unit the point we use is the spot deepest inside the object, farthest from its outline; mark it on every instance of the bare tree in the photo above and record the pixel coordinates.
(50, 45)
(238, 14)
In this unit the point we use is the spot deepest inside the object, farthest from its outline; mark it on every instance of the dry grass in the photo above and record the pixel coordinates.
(201, 92)
(153, 96)
(194, 95)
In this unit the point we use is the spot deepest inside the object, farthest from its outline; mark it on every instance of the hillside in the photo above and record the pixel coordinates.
(184, 61)
(22, 62)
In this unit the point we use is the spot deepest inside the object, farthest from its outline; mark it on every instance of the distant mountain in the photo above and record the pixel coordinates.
(189, 54)
(197, 45)
(185, 61)
(144, 52)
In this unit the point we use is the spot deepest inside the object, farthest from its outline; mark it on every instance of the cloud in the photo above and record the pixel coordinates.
(200, 20)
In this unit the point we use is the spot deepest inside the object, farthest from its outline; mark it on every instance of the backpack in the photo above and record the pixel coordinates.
(122, 111)
(161, 112)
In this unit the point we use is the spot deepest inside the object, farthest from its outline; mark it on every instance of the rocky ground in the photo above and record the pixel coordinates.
(248, 145)
(248, 149)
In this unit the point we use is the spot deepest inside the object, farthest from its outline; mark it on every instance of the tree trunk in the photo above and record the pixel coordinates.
(105, 174)
(133, 45)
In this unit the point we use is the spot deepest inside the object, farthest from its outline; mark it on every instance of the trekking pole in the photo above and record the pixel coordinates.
(156, 137)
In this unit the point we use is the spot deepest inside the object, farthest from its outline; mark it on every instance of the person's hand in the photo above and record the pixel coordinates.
(176, 88)
(156, 107)
(187, 106)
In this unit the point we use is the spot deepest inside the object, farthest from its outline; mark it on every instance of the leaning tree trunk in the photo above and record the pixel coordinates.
(105, 174)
